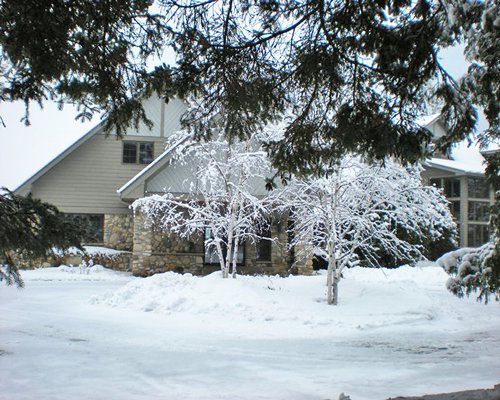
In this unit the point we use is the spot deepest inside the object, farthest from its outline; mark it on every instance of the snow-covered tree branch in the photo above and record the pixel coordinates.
(470, 272)
(357, 212)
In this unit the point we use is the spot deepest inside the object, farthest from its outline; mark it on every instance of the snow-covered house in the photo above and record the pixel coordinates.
(82, 181)
(460, 173)
(97, 178)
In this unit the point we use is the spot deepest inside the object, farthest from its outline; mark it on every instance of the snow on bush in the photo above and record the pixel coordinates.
(469, 271)
(91, 255)
(90, 251)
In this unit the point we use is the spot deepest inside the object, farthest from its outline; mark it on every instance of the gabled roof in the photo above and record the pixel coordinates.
(489, 152)
(465, 158)
(426, 120)
(25, 187)
(156, 166)
(456, 167)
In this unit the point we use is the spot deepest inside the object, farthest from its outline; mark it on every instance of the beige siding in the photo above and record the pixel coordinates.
(172, 113)
(87, 179)
(173, 178)
(165, 117)
(178, 178)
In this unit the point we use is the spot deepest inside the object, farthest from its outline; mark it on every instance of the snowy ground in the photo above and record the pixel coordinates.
(107, 335)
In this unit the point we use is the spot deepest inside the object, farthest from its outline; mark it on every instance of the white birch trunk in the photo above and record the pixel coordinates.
(235, 259)
(332, 277)
(220, 254)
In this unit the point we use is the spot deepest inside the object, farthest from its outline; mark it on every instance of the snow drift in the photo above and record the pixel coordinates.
(371, 299)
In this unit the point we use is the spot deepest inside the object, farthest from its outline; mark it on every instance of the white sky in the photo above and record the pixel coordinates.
(24, 150)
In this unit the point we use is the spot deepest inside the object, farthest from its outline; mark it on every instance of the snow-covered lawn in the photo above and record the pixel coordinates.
(107, 335)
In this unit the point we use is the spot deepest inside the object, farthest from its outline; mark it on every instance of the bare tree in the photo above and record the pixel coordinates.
(357, 210)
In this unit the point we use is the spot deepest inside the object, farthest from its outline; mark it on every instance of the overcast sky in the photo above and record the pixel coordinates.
(24, 150)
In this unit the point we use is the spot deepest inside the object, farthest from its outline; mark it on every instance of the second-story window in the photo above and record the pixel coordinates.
(478, 188)
(138, 152)
(451, 186)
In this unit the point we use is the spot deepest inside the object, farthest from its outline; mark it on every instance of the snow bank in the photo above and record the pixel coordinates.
(69, 273)
(369, 298)
(104, 251)
(91, 251)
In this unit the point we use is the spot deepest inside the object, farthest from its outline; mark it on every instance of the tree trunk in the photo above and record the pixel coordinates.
(230, 239)
(227, 261)
(335, 290)
(222, 262)
(234, 261)
(332, 277)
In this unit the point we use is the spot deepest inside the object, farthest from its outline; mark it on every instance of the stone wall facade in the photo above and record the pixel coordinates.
(155, 251)
(280, 260)
(147, 251)
(118, 262)
(118, 231)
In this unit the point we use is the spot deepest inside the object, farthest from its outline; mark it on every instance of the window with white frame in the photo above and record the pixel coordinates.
(137, 152)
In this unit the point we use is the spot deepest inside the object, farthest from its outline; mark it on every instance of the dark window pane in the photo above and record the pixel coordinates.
(477, 235)
(91, 226)
(479, 211)
(455, 209)
(478, 188)
(145, 153)
(211, 256)
(129, 152)
(264, 246)
(435, 182)
(451, 187)
(240, 256)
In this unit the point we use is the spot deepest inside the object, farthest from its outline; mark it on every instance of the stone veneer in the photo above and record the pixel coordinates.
(118, 231)
(156, 252)
(119, 262)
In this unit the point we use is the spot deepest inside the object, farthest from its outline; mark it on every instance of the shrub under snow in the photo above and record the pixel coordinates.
(469, 271)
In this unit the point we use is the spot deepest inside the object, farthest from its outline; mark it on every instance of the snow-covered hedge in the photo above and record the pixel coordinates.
(470, 271)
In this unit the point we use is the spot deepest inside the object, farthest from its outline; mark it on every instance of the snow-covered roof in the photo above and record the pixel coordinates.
(491, 150)
(426, 120)
(465, 158)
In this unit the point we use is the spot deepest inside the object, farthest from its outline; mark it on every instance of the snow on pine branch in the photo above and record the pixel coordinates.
(469, 272)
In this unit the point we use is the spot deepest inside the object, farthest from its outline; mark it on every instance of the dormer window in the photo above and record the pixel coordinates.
(138, 152)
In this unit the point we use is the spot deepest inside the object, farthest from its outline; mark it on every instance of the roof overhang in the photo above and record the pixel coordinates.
(450, 168)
